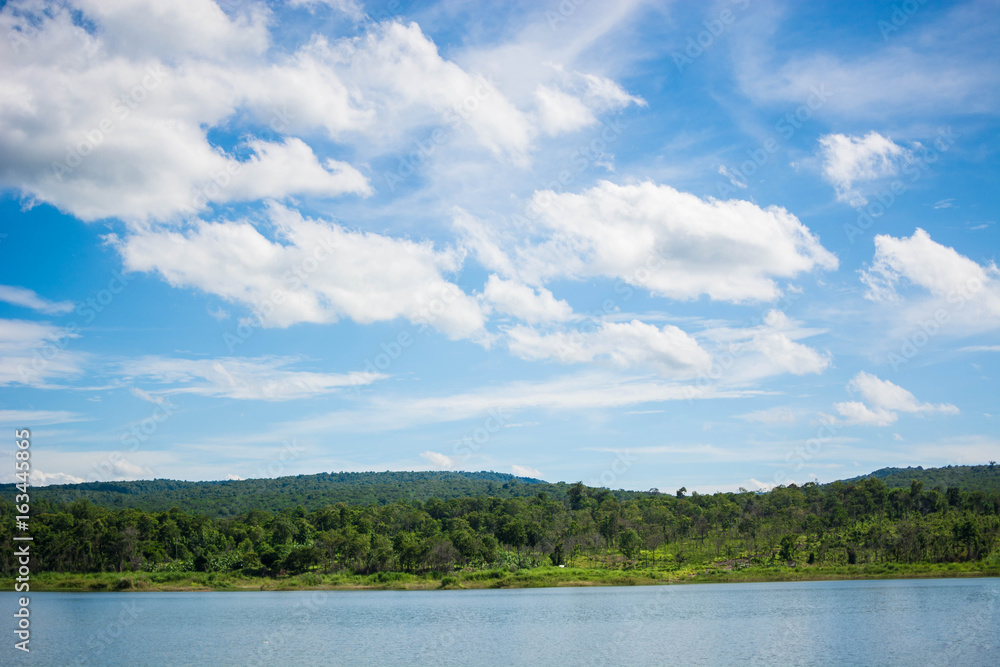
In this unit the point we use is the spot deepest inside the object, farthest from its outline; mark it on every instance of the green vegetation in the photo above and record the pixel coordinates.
(560, 535)
(235, 497)
(966, 478)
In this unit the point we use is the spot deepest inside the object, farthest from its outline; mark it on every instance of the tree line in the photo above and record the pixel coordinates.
(840, 523)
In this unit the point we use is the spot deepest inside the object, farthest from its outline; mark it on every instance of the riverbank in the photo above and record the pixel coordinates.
(541, 577)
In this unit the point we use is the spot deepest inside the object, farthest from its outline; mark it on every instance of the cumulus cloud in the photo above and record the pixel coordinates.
(107, 113)
(631, 345)
(968, 292)
(26, 298)
(532, 305)
(41, 478)
(264, 378)
(438, 459)
(316, 271)
(772, 347)
(882, 401)
(848, 160)
(672, 243)
(526, 471)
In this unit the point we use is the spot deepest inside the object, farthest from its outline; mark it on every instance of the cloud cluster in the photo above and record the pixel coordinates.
(315, 271)
(109, 107)
(882, 401)
(652, 236)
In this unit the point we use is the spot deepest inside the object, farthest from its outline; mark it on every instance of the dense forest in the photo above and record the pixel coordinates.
(849, 523)
(966, 478)
(235, 497)
(232, 498)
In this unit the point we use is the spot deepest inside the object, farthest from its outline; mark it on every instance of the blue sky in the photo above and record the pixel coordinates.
(637, 244)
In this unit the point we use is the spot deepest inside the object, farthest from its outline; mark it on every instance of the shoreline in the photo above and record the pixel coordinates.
(543, 577)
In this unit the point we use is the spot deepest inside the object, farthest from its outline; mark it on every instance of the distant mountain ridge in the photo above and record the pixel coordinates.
(966, 478)
(234, 497)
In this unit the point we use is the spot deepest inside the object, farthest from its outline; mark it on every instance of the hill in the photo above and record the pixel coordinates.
(233, 497)
(967, 478)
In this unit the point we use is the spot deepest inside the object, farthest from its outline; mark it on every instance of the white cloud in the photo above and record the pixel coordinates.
(769, 348)
(856, 412)
(735, 177)
(882, 401)
(32, 353)
(968, 292)
(321, 273)
(534, 306)
(631, 345)
(581, 392)
(774, 340)
(669, 242)
(21, 296)
(526, 471)
(560, 112)
(32, 418)
(41, 478)
(438, 459)
(265, 378)
(848, 160)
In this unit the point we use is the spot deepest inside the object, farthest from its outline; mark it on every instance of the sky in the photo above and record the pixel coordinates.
(635, 244)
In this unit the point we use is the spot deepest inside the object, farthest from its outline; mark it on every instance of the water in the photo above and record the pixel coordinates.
(925, 622)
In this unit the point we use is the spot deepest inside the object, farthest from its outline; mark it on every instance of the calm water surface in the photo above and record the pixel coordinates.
(927, 622)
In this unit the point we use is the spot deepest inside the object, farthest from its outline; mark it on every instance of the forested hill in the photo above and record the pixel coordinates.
(233, 497)
(967, 478)
(313, 492)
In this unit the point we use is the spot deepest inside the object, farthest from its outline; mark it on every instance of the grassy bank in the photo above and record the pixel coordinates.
(540, 577)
